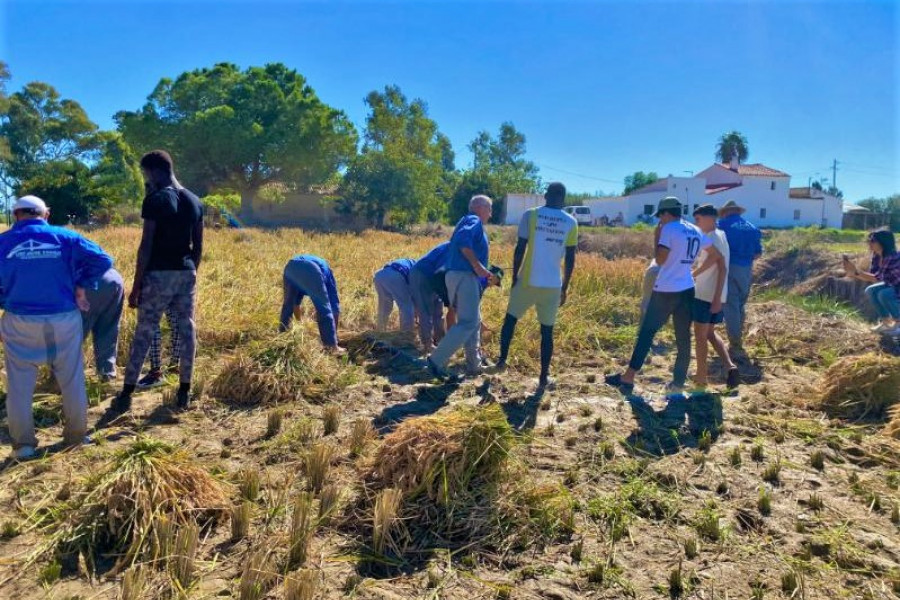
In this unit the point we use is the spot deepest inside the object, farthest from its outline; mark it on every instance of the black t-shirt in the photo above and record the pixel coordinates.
(176, 213)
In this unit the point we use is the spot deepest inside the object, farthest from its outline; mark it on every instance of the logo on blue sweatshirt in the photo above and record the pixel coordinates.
(33, 249)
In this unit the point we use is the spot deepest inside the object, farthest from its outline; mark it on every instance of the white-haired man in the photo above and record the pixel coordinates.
(44, 271)
(466, 262)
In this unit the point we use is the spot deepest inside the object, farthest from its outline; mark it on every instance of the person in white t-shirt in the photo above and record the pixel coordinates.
(547, 235)
(679, 245)
(710, 294)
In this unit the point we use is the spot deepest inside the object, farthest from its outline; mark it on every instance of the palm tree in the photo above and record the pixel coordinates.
(727, 145)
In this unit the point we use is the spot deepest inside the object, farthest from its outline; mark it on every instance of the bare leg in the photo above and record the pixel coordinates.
(721, 348)
(701, 334)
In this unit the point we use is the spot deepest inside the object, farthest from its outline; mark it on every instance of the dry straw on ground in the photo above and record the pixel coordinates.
(283, 369)
(861, 387)
(145, 488)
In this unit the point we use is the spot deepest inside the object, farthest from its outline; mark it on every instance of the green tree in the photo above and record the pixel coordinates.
(823, 186)
(639, 179)
(241, 130)
(40, 127)
(887, 206)
(499, 167)
(400, 171)
(727, 144)
(115, 175)
(67, 188)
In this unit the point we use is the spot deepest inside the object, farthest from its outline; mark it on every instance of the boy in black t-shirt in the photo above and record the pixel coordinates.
(166, 274)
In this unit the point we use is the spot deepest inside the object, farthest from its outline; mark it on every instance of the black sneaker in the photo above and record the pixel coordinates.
(121, 403)
(439, 373)
(733, 380)
(150, 380)
(183, 399)
(615, 380)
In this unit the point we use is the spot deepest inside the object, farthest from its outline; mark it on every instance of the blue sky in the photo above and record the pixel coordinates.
(600, 89)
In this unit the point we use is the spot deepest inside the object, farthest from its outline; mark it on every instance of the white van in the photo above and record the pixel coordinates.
(582, 214)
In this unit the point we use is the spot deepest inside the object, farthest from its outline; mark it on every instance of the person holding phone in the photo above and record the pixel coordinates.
(884, 275)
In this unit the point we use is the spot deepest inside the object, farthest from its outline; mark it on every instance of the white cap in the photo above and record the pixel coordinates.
(32, 203)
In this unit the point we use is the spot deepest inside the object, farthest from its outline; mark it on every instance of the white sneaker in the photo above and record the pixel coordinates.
(24, 452)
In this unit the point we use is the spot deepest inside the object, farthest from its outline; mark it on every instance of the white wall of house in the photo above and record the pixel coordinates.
(608, 207)
(517, 204)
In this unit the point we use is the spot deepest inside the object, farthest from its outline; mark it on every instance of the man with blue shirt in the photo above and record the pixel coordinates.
(392, 287)
(308, 275)
(467, 261)
(44, 271)
(745, 245)
(427, 302)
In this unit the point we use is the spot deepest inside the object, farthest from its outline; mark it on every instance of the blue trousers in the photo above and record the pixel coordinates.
(303, 278)
(429, 307)
(102, 321)
(884, 298)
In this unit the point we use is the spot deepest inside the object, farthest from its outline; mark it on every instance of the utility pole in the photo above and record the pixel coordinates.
(834, 174)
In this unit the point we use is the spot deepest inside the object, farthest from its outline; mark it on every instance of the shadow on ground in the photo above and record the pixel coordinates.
(679, 425)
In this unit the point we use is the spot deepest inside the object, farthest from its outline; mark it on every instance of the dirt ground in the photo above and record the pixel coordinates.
(673, 460)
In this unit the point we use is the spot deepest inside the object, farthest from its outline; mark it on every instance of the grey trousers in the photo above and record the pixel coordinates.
(32, 341)
(102, 321)
(647, 284)
(429, 307)
(161, 290)
(740, 279)
(392, 289)
(464, 292)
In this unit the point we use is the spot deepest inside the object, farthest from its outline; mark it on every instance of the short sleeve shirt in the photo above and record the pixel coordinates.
(705, 288)
(549, 232)
(176, 213)
(684, 241)
(469, 233)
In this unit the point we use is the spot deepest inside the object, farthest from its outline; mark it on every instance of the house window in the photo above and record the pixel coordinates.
(772, 187)
(797, 215)
(762, 213)
(648, 209)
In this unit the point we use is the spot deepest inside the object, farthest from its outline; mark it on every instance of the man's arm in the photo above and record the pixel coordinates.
(197, 242)
(518, 258)
(143, 259)
(479, 268)
(759, 249)
(662, 254)
(719, 261)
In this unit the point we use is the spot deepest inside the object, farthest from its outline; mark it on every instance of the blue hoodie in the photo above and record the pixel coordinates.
(40, 266)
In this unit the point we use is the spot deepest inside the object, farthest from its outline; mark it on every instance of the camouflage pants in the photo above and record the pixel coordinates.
(161, 290)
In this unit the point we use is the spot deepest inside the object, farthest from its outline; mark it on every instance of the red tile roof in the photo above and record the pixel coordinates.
(756, 170)
(715, 189)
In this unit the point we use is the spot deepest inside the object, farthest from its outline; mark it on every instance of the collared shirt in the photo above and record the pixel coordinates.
(327, 279)
(469, 233)
(434, 260)
(887, 269)
(744, 239)
(41, 264)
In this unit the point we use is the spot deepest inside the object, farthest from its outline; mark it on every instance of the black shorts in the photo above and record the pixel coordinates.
(701, 313)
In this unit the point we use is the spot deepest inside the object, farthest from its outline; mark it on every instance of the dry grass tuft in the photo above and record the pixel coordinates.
(892, 429)
(384, 517)
(279, 369)
(331, 419)
(249, 484)
(303, 526)
(361, 434)
(240, 520)
(302, 585)
(132, 507)
(273, 422)
(181, 563)
(134, 582)
(861, 387)
(329, 500)
(317, 463)
(258, 575)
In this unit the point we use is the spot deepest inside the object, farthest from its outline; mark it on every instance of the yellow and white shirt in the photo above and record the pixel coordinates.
(549, 232)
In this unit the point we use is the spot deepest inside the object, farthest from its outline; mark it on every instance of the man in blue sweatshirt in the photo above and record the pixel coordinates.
(427, 302)
(392, 287)
(44, 271)
(745, 246)
(309, 275)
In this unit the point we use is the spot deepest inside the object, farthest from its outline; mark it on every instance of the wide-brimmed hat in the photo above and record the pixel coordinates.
(706, 210)
(668, 203)
(731, 206)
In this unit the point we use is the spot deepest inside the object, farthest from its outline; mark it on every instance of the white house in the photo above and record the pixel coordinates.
(765, 192)
(516, 205)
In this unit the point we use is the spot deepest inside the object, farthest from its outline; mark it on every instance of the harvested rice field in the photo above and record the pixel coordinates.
(300, 475)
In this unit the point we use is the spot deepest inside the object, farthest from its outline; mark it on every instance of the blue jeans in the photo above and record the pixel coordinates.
(304, 278)
(102, 320)
(884, 298)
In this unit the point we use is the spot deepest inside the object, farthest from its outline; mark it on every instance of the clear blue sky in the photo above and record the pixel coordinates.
(601, 89)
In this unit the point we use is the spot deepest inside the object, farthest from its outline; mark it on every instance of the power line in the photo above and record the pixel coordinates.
(618, 182)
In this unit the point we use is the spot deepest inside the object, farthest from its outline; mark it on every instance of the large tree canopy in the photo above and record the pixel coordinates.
(637, 180)
(499, 167)
(728, 143)
(402, 164)
(241, 130)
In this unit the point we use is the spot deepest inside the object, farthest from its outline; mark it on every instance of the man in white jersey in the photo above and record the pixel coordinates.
(546, 236)
(710, 293)
(679, 245)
